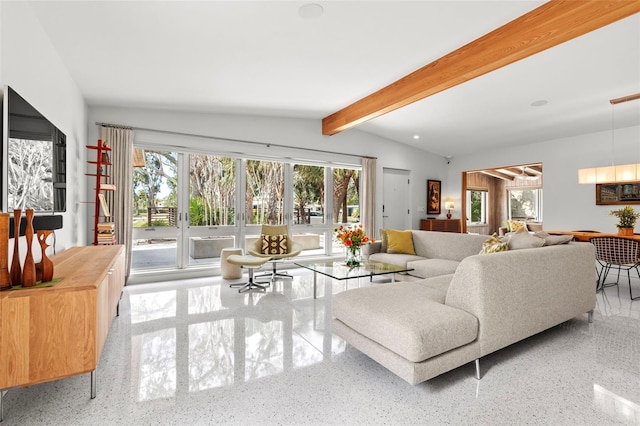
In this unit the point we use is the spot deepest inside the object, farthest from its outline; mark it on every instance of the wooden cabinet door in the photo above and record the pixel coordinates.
(51, 336)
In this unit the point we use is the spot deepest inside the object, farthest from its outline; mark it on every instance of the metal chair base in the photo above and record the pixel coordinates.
(274, 273)
(251, 284)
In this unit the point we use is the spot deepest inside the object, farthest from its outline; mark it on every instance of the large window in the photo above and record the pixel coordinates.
(154, 190)
(212, 188)
(188, 206)
(525, 204)
(308, 194)
(265, 193)
(477, 201)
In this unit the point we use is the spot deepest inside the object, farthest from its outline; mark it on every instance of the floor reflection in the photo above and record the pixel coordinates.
(198, 338)
(211, 354)
(616, 407)
(264, 349)
(151, 306)
(204, 299)
(156, 364)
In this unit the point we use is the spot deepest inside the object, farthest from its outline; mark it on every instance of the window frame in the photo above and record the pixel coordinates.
(484, 206)
(537, 203)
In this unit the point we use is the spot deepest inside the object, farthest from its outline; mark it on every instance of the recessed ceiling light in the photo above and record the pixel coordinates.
(541, 102)
(416, 136)
(310, 11)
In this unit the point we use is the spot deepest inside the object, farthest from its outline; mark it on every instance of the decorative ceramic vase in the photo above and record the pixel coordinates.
(5, 278)
(16, 270)
(353, 256)
(627, 232)
(29, 267)
(46, 265)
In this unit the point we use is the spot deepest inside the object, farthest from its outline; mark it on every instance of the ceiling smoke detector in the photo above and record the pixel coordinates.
(310, 11)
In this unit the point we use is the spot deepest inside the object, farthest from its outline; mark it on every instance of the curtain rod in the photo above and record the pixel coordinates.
(268, 145)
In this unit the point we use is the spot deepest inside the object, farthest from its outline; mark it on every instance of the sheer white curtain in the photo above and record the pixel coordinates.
(368, 215)
(120, 140)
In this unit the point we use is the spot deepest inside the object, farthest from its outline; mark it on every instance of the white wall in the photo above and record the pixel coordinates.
(567, 205)
(32, 67)
(29, 63)
(299, 133)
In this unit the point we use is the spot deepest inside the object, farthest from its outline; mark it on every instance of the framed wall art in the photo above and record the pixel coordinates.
(618, 193)
(433, 196)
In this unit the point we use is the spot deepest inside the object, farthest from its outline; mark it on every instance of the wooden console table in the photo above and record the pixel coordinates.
(442, 225)
(56, 332)
(588, 235)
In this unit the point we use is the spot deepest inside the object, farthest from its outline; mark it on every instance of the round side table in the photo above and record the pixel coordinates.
(229, 271)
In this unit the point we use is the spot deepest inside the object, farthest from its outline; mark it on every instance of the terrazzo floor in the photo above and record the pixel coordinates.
(195, 352)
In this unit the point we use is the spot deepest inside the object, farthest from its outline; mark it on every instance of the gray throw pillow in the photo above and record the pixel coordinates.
(552, 240)
(523, 241)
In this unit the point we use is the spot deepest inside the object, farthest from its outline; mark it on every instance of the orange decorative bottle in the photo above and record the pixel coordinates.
(29, 267)
(16, 270)
(5, 279)
(46, 265)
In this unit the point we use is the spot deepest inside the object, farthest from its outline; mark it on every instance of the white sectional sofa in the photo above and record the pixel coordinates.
(421, 329)
(437, 253)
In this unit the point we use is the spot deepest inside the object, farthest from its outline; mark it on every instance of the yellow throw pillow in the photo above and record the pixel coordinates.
(274, 244)
(514, 225)
(400, 242)
(384, 244)
(494, 244)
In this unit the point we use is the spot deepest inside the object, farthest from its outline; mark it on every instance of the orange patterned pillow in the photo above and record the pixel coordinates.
(274, 244)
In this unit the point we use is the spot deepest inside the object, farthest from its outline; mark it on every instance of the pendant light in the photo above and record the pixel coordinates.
(612, 173)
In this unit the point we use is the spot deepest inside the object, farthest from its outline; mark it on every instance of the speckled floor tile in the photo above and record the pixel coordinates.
(196, 352)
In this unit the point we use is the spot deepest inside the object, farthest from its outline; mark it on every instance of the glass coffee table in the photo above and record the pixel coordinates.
(338, 270)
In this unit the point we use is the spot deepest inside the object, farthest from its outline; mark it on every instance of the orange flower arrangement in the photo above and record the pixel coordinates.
(353, 238)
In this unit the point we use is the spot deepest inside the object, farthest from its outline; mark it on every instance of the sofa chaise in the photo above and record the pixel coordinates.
(421, 329)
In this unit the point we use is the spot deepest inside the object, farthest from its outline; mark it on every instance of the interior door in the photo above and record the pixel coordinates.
(395, 199)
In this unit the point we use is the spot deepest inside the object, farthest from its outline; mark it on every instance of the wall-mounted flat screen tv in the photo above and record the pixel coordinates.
(34, 150)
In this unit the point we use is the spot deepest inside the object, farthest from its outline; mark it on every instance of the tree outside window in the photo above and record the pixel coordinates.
(346, 195)
(477, 206)
(524, 204)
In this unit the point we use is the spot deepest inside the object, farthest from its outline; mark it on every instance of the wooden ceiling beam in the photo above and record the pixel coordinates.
(537, 169)
(497, 174)
(547, 26)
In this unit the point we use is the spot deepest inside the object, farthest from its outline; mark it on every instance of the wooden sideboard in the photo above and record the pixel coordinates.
(442, 225)
(588, 235)
(57, 332)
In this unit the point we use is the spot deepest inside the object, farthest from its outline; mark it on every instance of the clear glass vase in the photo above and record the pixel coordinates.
(354, 256)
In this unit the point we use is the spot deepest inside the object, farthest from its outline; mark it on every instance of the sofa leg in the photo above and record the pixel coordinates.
(590, 313)
(478, 368)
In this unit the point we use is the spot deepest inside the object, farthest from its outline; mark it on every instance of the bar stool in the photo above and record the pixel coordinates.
(250, 263)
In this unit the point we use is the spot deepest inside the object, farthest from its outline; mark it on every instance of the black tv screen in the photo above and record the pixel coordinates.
(35, 158)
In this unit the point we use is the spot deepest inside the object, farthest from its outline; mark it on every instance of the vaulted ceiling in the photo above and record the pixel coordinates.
(272, 58)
